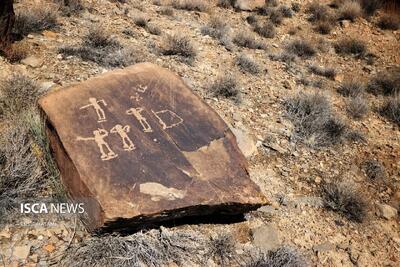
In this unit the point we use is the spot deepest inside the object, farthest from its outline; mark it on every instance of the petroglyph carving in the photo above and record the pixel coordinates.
(158, 191)
(167, 118)
(98, 136)
(137, 113)
(136, 97)
(122, 132)
(96, 105)
(141, 88)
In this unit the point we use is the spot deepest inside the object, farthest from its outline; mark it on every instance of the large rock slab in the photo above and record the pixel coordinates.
(138, 147)
(249, 5)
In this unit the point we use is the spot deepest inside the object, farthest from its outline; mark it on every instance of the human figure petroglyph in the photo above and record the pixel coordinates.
(98, 136)
(172, 115)
(136, 97)
(122, 132)
(141, 88)
(96, 105)
(137, 112)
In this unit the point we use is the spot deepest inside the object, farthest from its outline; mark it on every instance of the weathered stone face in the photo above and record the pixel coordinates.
(140, 147)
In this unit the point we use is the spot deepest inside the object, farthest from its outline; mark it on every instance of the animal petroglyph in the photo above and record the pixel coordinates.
(137, 112)
(158, 191)
(167, 118)
(101, 116)
(136, 97)
(98, 136)
(123, 131)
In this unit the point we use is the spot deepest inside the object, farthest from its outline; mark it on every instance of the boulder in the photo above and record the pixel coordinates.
(249, 5)
(137, 147)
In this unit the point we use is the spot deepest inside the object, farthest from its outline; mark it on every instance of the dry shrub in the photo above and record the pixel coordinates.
(281, 257)
(245, 39)
(248, 64)
(351, 46)
(226, 86)
(179, 45)
(351, 88)
(154, 29)
(167, 11)
(17, 93)
(350, 10)
(21, 176)
(218, 29)
(140, 21)
(266, 29)
(301, 48)
(317, 11)
(315, 122)
(35, 18)
(385, 83)
(357, 107)
(391, 110)
(191, 5)
(326, 72)
(324, 27)
(16, 52)
(98, 46)
(371, 6)
(346, 200)
(374, 170)
(389, 22)
(154, 248)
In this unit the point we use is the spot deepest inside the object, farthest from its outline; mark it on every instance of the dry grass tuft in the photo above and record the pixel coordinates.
(357, 107)
(16, 52)
(315, 122)
(248, 64)
(350, 46)
(154, 248)
(389, 22)
(346, 200)
(391, 110)
(191, 5)
(225, 86)
(324, 27)
(100, 47)
(179, 45)
(385, 83)
(351, 88)
(282, 257)
(301, 48)
(266, 29)
(245, 39)
(350, 10)
(17, 94)
(35, 19)
(317, 12)
(374, 170)
(329, 73)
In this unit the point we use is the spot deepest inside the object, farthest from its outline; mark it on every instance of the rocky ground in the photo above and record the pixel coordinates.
(291, 171)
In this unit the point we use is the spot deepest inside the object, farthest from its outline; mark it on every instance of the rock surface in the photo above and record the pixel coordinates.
(387, 212)
(266, 237)
(137, 146)
(249, 5)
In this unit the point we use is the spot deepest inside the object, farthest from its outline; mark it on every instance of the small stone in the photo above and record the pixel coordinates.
(22, 252)
(49, 34)
(49, 248)
(286, 84)
(345, 24)
(266, 237)
(245, 142)
(387, 212)
(317, 180)
(32, 61)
